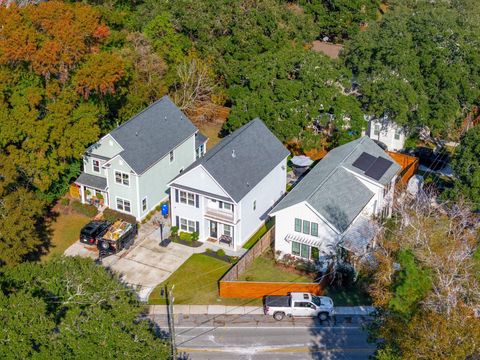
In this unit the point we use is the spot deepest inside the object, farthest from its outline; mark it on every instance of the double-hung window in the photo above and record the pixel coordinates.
(397, 133)
(226, 206)
(122, 178)
(376, 129)
(301, 250)
(144, 204)
(187, 198)
(227, 230)
(314, 229)
(187, 225)
(123, 205)
(298, 225)
(96, 166)
(306, 227)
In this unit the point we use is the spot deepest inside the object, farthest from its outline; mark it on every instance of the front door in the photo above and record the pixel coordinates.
(213, 229)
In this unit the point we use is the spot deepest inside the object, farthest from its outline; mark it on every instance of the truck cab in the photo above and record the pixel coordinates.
(298, 304)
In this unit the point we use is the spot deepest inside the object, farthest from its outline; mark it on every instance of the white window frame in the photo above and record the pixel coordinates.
(187, 225)
(144, 206)
(397, 134)
(171, 156)
(93, 166)
(123, 205)
(122, 180)
(187, 198)
(230, 230)
(376, 129)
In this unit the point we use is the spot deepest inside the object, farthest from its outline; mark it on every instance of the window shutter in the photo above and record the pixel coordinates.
(177, 221)
(197, 201)
(197, 227)
(220, 205)
(176, 195)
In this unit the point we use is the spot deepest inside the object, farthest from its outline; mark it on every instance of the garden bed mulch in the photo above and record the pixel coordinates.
(225, 258)
(194, 244)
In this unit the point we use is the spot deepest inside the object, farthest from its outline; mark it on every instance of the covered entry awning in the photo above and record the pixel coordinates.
(92, 181)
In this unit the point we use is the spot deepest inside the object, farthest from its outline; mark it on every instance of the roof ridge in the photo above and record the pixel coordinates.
(163, 98)
(340, 165)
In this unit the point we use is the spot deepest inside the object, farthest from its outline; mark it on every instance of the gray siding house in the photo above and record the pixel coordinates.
(128, 169)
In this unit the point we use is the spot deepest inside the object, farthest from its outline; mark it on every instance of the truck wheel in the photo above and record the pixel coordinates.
(323, 316)
(278, 316)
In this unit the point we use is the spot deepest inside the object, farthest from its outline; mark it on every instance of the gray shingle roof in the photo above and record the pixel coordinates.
(200, 139)
(93, 181)
(153, 133)
(332, 190)
(242, 159)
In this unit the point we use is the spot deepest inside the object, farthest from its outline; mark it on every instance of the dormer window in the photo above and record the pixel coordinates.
(96, 166)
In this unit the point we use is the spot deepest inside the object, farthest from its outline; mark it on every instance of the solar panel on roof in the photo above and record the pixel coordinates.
(364, 161)
(378, 168)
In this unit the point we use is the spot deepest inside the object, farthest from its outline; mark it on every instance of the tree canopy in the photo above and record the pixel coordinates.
(70, 308)
(420, 64)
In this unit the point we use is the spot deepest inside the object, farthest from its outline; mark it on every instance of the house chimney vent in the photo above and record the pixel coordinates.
(233, 154)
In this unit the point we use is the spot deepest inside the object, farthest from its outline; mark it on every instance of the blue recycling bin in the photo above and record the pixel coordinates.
(164, 210)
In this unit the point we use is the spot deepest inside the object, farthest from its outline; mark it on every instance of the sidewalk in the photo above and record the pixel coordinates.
(243, 310)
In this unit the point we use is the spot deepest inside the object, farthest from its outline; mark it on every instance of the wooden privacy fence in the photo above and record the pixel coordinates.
(408, 163)
(230, 287)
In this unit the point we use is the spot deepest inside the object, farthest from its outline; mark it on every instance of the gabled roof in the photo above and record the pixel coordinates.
(153, 133)
(332, 190)
(242, 159)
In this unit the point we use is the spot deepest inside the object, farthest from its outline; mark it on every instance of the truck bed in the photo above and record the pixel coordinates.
(117, 230)
(277, 301)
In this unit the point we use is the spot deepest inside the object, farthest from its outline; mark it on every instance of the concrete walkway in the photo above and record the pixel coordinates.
(243, 310)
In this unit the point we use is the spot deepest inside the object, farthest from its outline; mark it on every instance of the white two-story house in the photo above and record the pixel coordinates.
(387, 132)
(333, 204)
(225, 196)
(128, 169)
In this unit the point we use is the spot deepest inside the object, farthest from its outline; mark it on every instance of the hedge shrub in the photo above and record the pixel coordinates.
(112, 215)
(85, 209)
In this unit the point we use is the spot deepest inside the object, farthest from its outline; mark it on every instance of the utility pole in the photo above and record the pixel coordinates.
(171, 320)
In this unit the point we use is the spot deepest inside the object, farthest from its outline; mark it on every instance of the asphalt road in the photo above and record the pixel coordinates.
(258, 337)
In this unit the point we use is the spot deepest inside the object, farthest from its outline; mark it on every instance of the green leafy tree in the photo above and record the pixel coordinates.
(70, 308)
(293, 91)
(419, 64)
(466, 166)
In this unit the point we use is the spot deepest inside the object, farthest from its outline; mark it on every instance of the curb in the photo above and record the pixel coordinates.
(245, 310)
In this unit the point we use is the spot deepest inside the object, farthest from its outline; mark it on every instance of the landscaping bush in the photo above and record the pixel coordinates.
(158, 208)
(174, 231)
(195, 236)
(221, 252)
(112, 215)
(85, 209)
(185, 236)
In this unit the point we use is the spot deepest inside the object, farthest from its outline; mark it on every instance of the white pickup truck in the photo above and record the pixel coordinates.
(298, 304)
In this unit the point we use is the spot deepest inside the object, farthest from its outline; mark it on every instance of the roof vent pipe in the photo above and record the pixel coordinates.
(233, 154)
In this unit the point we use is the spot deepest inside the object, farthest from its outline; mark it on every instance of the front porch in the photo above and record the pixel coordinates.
(93, 190)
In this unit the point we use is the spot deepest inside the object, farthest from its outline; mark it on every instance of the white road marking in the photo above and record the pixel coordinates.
(268, 327)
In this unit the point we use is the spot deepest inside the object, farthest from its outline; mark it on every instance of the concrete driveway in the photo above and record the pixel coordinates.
(145, 265)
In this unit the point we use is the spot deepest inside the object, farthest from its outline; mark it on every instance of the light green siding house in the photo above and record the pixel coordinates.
(128, 169)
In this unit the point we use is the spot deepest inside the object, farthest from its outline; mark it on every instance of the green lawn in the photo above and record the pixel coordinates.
(264, 269)
(196, 282)
(66, 230)
(265, 227)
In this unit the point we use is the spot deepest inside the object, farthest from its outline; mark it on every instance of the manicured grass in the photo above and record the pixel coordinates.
(265, 227)
(352, 296)
(66, 230)
(264, 269)
(196, 282)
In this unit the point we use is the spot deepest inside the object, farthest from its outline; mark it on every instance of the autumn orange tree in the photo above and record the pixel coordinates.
(58, 85)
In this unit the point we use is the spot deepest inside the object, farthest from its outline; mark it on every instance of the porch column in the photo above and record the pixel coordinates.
(82, 194)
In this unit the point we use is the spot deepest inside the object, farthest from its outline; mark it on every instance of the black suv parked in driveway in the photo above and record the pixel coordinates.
(92, 231)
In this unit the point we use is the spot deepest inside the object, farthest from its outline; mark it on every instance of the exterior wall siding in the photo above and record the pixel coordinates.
(119, 190)
(285, 224)
(153, 184)
(387, 135)
(201, 180)
(106, 146)
(265, 194)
